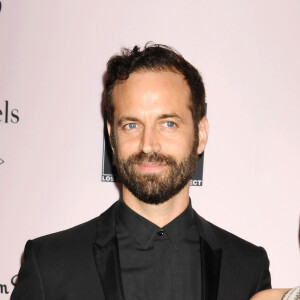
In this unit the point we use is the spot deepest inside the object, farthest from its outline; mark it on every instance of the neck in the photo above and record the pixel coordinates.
(160, 214)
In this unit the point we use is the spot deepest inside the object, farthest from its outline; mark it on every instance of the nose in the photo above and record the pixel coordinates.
(149, 141)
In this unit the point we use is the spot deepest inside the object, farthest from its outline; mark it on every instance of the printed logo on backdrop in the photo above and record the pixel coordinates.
(3, 287)
(8, 114)
(109, 173)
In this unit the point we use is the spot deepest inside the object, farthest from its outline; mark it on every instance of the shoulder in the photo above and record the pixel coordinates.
(70, 240)
(84, 231)
(62, 246)
(235, 250)
(242, 261)
(221, 238)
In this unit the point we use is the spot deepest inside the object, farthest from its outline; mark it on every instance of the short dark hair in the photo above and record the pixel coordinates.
(154, 57)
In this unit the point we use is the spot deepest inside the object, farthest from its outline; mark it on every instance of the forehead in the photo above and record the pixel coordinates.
(152, 88)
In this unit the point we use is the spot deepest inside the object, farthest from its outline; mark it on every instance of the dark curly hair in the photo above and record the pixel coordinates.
(154, 57)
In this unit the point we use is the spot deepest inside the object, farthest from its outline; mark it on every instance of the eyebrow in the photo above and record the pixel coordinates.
(124, 119)
(172, 116)
(162, 116)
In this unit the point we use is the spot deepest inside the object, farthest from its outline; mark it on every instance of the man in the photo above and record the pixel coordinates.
(150, 244)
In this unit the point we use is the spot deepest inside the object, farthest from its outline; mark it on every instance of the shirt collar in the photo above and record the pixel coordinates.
(181, 227)
(144, 231)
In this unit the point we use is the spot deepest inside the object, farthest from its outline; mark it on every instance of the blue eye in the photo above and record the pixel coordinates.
(170, 124)
(130, 126)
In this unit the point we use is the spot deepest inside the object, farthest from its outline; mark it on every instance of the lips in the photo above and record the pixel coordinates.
(150, 163)
(150, 167)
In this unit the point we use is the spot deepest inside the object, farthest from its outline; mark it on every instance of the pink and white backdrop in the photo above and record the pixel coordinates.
(52, 59)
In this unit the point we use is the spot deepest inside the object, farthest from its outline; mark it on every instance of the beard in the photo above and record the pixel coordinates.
(159, 187)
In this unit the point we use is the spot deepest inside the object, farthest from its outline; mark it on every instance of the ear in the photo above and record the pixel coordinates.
(203, 128)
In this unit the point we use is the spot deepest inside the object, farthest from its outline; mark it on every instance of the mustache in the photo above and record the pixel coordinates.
(152, 157)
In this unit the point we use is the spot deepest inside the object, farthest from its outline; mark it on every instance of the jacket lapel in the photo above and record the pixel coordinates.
(211, 256)
(106, 254)
(210, 271)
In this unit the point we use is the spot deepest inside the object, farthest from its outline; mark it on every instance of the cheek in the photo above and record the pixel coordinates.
(178, 151)
(179, 147)
(126, 146)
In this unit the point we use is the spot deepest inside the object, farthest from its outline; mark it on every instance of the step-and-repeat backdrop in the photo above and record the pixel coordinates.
(52, 61)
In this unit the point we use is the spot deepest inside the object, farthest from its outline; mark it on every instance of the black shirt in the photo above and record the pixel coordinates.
(158, 263)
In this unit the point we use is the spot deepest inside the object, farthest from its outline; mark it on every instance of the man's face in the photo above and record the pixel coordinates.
(153, 136)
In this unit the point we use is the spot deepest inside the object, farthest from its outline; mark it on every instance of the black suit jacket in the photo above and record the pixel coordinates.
(83, 263)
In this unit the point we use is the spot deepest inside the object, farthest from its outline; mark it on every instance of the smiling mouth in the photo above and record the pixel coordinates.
(150, 167)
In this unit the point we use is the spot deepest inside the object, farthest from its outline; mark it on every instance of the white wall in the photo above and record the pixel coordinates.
(52, 59)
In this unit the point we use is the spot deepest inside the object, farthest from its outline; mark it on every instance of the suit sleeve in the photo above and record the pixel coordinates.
(29, 284)
(264, 281)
